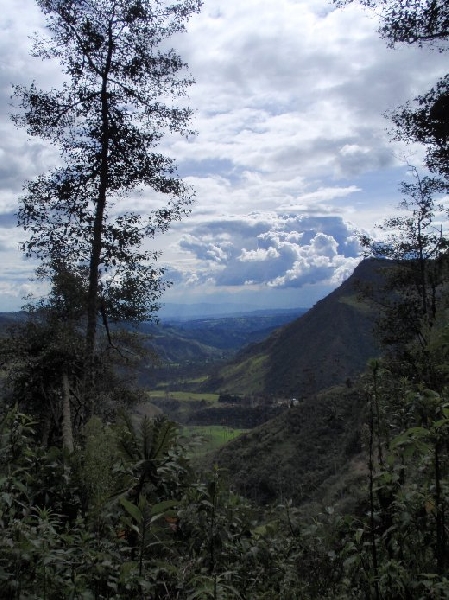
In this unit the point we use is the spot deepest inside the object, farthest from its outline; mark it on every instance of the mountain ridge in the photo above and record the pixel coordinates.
(174, 312)
(328, 345)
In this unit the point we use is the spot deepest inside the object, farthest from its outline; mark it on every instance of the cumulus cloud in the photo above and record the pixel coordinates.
(272, 249)
(298, 87)
(289, 102)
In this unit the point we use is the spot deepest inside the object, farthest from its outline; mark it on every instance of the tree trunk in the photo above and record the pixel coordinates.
(67, 432)
(97, 241)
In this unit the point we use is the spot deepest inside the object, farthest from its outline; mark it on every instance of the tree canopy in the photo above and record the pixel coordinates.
(107, 118)
(426, 121)
(423, 22)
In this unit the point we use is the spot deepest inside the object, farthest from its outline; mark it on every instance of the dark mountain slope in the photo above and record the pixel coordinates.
(328, 345)
(301, 453)
(7, 319)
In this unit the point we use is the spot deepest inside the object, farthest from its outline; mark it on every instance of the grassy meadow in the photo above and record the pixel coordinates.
(208, 438)
(182, 396)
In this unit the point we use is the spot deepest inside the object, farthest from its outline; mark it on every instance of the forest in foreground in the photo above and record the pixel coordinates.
(97, 505)
(128, 513)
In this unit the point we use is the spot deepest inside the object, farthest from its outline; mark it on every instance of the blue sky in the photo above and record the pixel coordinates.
(292, 159)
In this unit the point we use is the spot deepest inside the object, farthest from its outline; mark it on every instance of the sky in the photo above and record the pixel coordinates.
(292, 161)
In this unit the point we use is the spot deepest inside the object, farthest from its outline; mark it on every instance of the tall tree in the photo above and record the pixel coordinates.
(426, 121)
(415, 245)
(115, 105)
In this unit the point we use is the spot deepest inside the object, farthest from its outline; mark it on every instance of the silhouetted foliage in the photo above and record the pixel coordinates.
(426, 121)
(423, 22)
(416, 271)
(107, 118)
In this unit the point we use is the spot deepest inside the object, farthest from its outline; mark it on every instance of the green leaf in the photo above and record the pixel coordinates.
(417, 432)
(132, 510)
(161, 507)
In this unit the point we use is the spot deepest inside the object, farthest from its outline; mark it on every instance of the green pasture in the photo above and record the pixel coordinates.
(199, 379)
(181, 396)
(209, 437)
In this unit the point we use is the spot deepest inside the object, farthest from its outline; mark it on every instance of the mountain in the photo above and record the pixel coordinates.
(309, 451)
(11, 318)
(328, 345)
(188, 312)
(312, 451)
(178, 341)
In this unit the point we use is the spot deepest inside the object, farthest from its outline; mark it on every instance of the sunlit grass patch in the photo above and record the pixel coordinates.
(211, 437)
(182, 396)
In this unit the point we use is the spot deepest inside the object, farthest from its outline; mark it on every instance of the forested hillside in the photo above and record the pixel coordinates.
(328, 345)
(310, 453)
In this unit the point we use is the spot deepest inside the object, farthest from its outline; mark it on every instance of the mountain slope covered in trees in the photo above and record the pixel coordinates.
(324, 347)
(303, 453)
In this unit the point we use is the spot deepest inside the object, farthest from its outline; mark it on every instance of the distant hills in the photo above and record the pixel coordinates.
(328, 345)
(182, 341)
(211, 336)
(172, 312)
(9, 318)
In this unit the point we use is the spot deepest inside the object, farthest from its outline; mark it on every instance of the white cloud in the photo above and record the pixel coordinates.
(261, 254)
(270, 249)
(292, 143)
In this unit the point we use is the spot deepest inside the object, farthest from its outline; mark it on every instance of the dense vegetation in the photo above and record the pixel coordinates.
(125, 516)
(97, 505)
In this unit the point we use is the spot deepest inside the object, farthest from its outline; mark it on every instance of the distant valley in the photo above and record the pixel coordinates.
(172, 312)
(241, 372)
(316, 359)
(212, 334)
